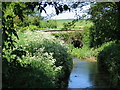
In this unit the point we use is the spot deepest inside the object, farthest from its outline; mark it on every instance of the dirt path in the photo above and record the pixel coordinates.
(59, 31)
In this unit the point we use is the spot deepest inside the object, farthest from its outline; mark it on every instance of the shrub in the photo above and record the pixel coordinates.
(63, 36)
(36, 71)
(32, 27)
(83, 52)
(69, 36)
(23, 29)
(54, 56)
(109, 59)
(45, 64)
(86, 36)
(28, 28)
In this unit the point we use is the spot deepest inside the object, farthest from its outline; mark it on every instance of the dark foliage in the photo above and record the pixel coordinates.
(9, 11)
(109, 60)
(106, 18)
(106, 22)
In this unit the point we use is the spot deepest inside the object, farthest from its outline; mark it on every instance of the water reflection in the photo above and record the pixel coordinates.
(86, 75)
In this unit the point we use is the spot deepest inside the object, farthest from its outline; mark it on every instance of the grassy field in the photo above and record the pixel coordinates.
(58, 24)
(78, 25)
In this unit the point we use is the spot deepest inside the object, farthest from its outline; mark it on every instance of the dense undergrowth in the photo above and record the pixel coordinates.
(109, 59)
(107, 54)
(40, 60)
(46, 63)
(83, 36)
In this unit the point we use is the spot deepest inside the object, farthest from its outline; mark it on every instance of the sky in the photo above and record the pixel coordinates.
(65, 15)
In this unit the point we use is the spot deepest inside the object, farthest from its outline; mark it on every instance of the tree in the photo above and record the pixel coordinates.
(12, 9)
(106, 22)
(18, 9)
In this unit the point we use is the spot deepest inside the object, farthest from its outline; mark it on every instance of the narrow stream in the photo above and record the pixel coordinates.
(85, 74)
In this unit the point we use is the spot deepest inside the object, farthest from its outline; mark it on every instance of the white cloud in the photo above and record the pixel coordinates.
(49, 10)
(65, 15)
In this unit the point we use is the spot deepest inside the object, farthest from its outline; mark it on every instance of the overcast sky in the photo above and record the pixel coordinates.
(65, 15)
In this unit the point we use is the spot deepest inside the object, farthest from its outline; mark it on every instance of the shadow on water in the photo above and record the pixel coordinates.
(85, 74)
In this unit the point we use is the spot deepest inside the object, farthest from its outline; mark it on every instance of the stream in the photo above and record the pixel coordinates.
(85, 74)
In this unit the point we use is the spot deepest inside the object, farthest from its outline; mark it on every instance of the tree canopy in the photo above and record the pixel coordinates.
(106, 18)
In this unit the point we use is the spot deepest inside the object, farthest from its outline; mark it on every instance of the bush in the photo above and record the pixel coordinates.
(28, 28)
(32, 27)
(69, 36)
(63, 36)
(24, 29)
(51, 45)
(47, 63)
(83, 52)
(86, 36)
(109, 59)
(36, 71)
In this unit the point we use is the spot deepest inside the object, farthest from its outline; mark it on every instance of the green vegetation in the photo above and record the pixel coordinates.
(48, 24)
(84, 37)
(39, 62)
(101, 39)
(78, 24)
(46, 63)
(32, 23)
(106, 23)
(35, 59)
(106, 19)
(109, 59)
(68, 36)
(37, 24)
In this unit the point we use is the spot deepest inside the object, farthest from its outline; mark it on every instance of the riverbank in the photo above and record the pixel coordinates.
(90, 59)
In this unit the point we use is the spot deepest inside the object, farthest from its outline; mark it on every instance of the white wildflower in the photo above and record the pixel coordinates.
(58, 68)
(53, 61)
(45, 54)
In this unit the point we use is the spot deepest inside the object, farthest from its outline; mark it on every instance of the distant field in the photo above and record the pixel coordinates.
(78, 24)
